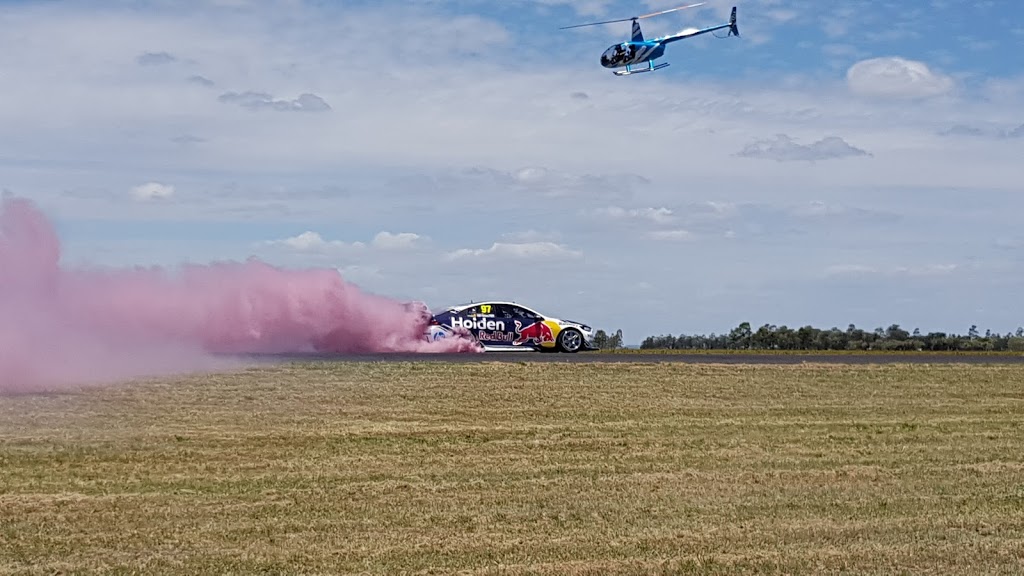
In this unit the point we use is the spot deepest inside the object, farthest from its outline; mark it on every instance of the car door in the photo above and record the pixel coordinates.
(516, 321)
(488, 323)
(531, 330)
(501, 328)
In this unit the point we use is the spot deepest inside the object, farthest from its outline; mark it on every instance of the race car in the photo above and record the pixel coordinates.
(508, 326)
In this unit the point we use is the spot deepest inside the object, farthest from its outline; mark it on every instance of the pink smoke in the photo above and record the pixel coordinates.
(63, 327)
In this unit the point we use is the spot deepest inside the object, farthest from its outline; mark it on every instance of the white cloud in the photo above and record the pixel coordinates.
(312, 242)
(263, 101)
(928, 270)
(401, 241)
(863, 270)
(784, 149)
(671, 235)
(987, 131)
(550, 184)
(305, 241)
(532, 235)
(200, 80)
(520, 251)
(896, 77)
(532, 174)
(721, 208)
(819, 208)
(657, 215)
(153, 191)
(849, 269)
(155, 59)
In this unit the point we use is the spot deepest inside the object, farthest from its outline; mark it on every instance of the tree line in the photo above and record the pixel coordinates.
(605, 342)
(771, 337)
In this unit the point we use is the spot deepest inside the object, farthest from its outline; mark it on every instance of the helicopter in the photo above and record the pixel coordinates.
(639, 51)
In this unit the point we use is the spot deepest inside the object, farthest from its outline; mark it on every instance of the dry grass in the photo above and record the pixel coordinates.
(522, 469)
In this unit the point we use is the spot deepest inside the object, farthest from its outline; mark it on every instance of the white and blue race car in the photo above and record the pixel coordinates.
(508, 326)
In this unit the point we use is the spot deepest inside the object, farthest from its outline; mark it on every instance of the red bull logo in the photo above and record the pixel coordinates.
(495, 336)
(538, 332)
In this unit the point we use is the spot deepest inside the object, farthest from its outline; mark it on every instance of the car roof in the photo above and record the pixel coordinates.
(460, 307)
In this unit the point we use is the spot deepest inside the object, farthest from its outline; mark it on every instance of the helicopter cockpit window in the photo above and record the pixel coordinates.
(622, 53)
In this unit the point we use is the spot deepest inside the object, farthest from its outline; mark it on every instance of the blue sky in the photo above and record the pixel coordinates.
(840, 162)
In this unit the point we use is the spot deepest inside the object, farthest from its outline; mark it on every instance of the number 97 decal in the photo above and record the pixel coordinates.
(485, 309)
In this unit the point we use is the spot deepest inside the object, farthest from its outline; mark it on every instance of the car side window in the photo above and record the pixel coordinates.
(518, 311)
(503, 311)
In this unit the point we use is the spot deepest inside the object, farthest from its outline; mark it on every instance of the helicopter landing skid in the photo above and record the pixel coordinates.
(630, 70)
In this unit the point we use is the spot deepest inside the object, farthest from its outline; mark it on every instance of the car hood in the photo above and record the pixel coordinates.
(570, 323)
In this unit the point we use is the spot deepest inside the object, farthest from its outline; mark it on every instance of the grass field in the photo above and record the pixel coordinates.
(521, 469)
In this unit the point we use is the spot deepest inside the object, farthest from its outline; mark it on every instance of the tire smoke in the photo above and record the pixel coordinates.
(61, 327)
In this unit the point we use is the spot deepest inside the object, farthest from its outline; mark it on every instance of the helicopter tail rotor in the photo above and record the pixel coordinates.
(733, 29)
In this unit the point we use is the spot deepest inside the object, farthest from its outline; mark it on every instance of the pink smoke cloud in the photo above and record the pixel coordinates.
(61, 327)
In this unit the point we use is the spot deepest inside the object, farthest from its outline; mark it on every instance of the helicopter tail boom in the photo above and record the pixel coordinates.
(691, 32)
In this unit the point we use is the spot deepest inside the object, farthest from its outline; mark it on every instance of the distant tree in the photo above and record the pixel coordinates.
(605, 342)
(740, 336)
(896, 333)
(615, 340)
(764, 338)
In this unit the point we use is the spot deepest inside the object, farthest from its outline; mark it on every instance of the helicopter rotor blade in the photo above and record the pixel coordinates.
(636, 17)
(672, 10)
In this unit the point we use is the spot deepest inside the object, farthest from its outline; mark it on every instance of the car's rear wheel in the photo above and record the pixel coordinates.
(570, 340)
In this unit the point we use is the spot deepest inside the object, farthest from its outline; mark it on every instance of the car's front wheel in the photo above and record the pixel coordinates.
(570, 340)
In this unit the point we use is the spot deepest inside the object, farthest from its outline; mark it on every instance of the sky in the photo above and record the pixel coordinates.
(839, 162)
